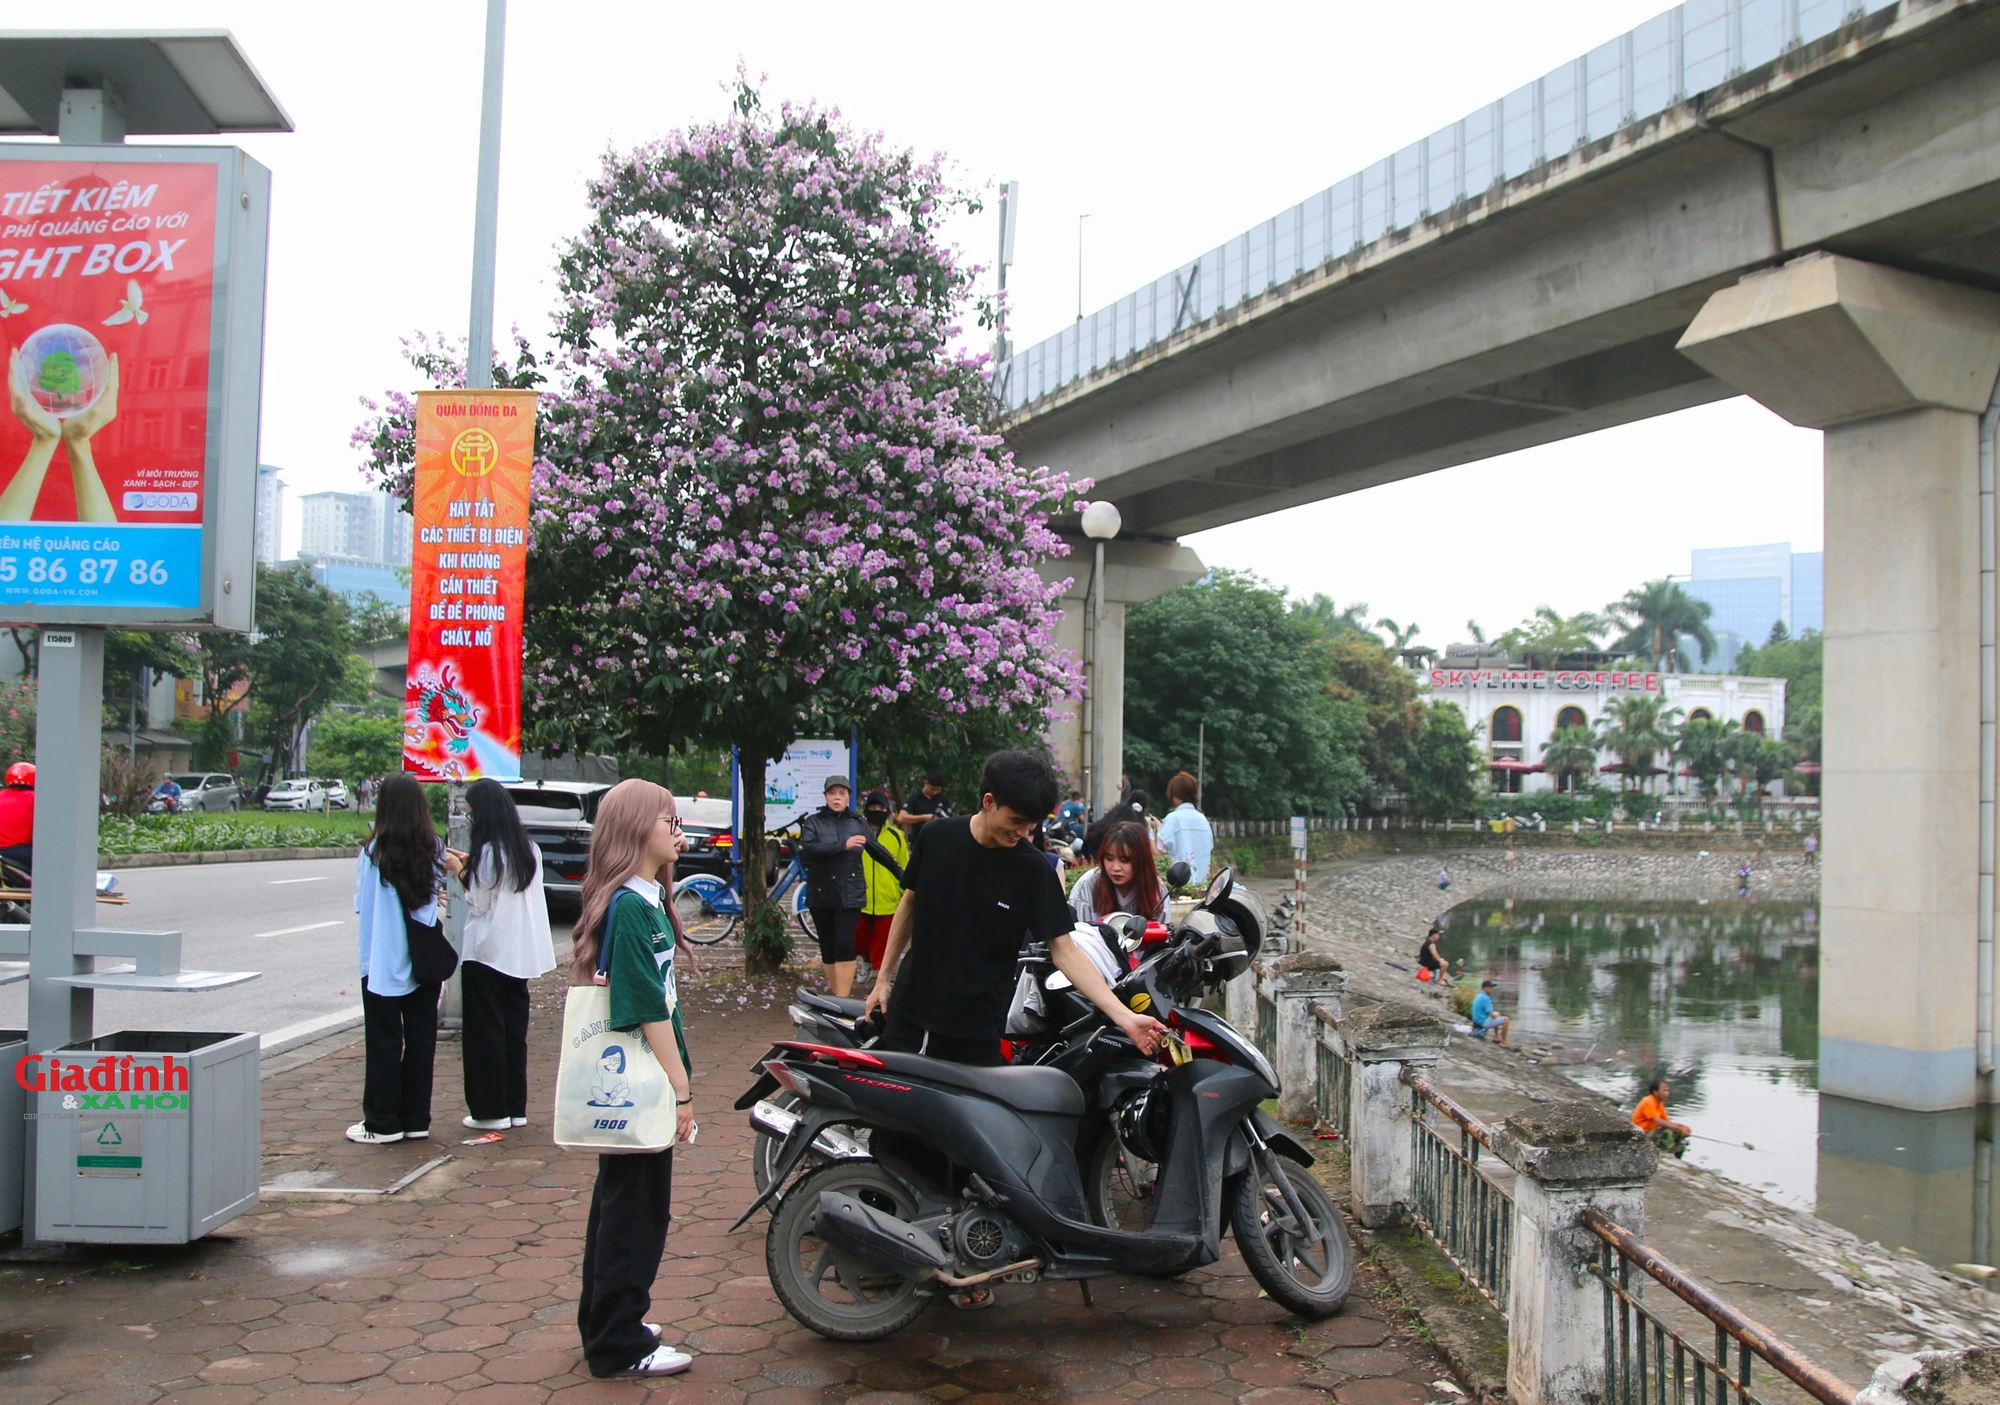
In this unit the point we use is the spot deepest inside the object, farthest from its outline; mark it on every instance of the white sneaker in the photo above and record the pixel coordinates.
(486, 1124)
(359, 1133)
(652, 1327)
(518, 1121)
(661, 1361)
(422, 1136)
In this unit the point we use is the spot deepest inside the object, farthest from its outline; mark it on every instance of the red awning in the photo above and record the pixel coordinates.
(1509, 763)
(1807, 768)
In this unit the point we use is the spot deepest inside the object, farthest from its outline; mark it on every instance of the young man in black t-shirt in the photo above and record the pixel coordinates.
(975, 889)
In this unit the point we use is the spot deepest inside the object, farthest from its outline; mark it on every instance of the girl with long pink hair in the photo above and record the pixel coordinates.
(626, 932)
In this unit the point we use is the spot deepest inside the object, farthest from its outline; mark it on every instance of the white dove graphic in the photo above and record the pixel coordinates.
(133, 309)
(10, 308)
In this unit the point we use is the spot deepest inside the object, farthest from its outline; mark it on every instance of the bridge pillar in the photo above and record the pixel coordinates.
(1896, 369)
(1134, 571)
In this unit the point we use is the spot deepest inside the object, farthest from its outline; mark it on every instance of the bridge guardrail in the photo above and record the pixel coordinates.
(1686, 51)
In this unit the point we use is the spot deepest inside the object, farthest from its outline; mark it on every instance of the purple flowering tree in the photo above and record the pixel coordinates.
(770, 501)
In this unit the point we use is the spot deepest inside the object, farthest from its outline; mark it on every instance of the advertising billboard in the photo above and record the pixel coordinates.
(131, 322)
(794, 784)
(468, 579)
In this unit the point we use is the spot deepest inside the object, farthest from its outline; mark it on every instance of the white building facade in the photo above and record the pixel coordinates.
(1514, 710)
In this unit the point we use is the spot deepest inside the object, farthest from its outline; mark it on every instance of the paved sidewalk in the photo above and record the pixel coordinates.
(463, 1286)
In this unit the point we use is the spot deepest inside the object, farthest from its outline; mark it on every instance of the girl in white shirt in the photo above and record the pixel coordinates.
(507, 944)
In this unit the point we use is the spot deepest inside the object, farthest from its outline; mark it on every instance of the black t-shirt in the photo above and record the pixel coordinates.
(975, 907)
(922, 804)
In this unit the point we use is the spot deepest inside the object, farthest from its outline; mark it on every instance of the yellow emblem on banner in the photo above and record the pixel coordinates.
(474, 452)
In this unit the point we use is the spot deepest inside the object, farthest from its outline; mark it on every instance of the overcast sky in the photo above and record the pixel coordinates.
(1174, 128)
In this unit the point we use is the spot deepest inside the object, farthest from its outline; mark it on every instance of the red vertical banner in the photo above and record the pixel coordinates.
(468, 577)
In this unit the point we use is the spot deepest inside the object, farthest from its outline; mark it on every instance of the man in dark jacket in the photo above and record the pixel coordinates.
(832, 839)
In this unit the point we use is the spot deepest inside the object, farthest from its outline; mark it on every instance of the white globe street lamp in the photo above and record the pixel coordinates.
(1100, 523)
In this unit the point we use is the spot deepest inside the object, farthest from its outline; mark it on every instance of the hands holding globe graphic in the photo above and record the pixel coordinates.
(71, 414)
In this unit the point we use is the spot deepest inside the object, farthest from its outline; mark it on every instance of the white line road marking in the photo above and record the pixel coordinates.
(279, 882)
(289, 931)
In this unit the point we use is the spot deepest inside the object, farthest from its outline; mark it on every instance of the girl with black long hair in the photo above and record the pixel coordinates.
(396, 878)
(506, 945)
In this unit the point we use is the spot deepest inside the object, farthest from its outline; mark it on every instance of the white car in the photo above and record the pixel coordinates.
(296, 794)
(337, 796)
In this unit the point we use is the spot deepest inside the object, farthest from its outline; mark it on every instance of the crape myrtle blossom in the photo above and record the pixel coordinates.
(769, 501)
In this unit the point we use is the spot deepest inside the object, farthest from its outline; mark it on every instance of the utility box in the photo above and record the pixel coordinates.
(145, 1136)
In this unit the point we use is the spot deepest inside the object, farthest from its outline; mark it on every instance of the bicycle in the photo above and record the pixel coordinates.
(709, 907)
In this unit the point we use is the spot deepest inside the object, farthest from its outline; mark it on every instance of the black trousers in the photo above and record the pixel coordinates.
(494, 1042)
(622, 1246)
(905, 1036)
(401, 1035)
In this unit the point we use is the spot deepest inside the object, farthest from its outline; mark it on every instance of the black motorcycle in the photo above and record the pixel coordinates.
(976, 1175)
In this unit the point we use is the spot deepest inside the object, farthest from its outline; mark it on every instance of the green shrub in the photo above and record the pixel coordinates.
(767, 940)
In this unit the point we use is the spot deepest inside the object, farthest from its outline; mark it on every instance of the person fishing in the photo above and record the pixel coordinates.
(1650, 1117)
(1431, 963)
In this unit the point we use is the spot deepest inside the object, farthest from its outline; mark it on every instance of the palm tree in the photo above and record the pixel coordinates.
(1636, 728)
(1656, 615)
(1399, 635)
(1547, 636)
(1335, 621)
(1705, 747)
(1571, 752)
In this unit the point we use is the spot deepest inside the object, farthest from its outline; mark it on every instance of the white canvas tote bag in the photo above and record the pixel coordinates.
(612, 1095)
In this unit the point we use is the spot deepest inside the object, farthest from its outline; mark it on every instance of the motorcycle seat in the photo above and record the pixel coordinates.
(842, 1006)
(1023, 1089)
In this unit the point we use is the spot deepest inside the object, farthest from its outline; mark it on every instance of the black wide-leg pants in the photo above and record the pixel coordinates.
(400, 1033)
(622, 1247)
(494, 1042)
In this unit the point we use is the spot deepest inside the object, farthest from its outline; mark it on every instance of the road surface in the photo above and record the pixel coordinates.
(292, 920)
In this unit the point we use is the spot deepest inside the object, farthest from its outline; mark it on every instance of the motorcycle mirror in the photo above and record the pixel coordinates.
(1220, 886)
(1178, 873)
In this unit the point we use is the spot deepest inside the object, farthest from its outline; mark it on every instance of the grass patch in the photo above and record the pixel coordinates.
(208, 833)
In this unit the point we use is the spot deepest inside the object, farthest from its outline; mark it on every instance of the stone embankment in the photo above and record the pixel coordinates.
(1847, 1302)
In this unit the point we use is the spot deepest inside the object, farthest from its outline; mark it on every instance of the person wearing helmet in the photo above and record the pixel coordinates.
(17, 816)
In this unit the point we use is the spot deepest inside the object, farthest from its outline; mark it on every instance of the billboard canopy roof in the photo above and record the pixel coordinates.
(171, 82)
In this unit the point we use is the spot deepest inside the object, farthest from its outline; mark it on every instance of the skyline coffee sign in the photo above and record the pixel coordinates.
(1540, 680)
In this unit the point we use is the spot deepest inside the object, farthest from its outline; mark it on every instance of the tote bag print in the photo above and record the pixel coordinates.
(611, 1093)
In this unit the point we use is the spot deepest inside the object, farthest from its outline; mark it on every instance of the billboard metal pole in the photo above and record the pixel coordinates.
(486, 213)
(478, 376)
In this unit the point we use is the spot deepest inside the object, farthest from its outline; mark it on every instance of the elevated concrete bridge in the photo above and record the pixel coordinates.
(1785, 198)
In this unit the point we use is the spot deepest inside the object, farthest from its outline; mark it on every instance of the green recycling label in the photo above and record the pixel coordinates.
(109, 1147)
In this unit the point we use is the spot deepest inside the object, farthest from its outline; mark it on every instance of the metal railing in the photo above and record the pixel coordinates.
(1467, 1216)
(1333, 1090)
(1647, 1361)
(1671, 57)
(1265, 1036)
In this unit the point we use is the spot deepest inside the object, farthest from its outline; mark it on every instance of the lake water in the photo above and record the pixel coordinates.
(1722, 999)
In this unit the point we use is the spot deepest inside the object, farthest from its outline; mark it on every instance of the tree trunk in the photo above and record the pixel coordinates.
(760, 957)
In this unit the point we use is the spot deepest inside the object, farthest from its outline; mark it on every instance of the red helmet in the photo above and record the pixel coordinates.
(21, 775)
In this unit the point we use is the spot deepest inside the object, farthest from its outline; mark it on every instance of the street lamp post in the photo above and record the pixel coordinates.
(1100, 524)
(1079, 308)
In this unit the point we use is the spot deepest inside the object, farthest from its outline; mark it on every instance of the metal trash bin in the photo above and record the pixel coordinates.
(146, 1137)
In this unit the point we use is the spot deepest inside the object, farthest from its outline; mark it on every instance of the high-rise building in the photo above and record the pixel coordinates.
(270, 514)
(1751, 588)
(365, 527)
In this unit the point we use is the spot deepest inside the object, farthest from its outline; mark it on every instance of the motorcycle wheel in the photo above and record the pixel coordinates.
(1312, 1281)
(1120, 1191)
(699, 920)
(828, 1290)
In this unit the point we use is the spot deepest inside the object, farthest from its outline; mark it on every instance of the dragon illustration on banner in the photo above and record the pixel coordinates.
(438, 722)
